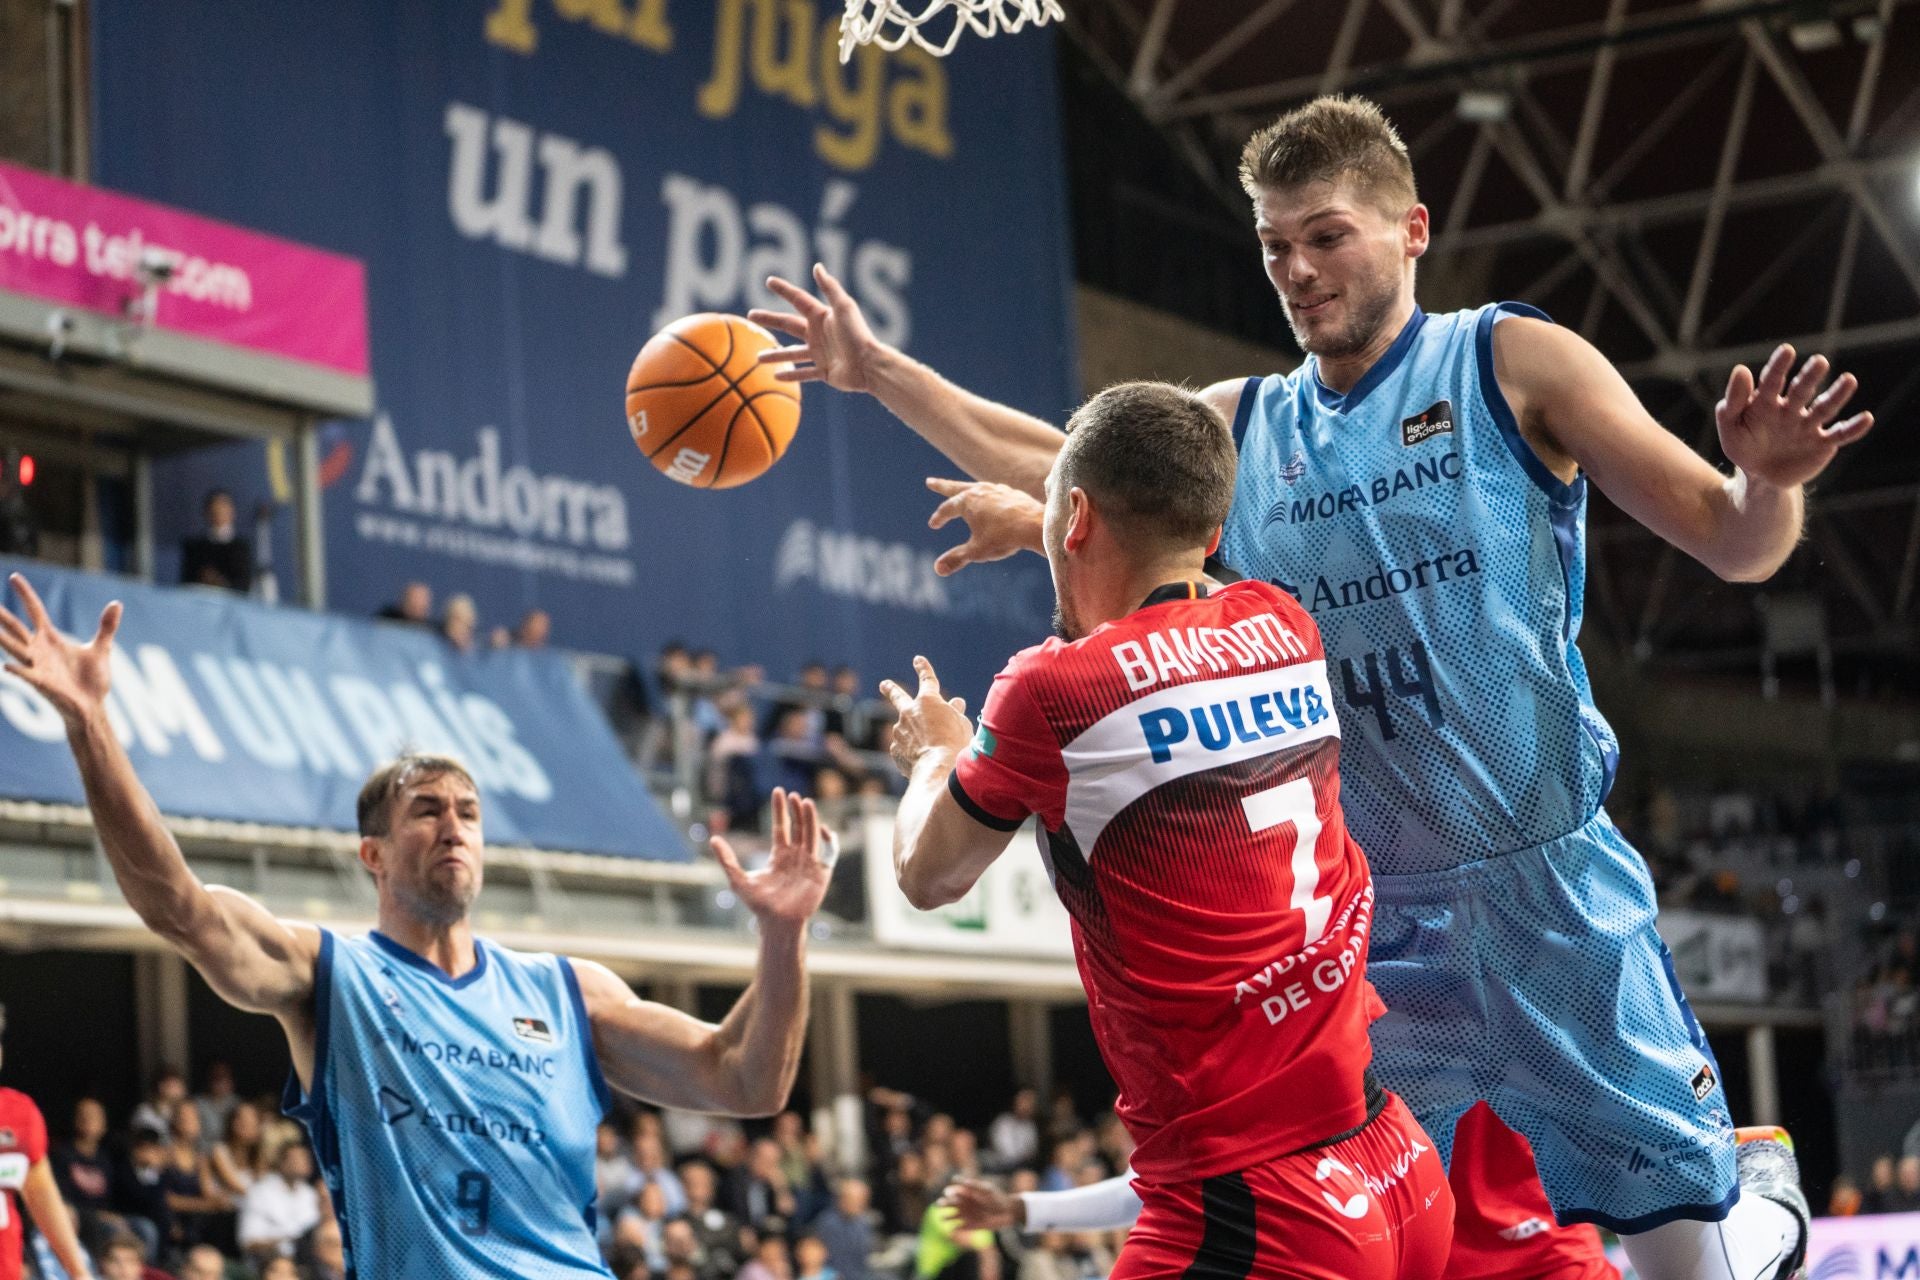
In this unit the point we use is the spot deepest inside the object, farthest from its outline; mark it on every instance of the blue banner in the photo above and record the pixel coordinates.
(236, 711)
(535, 187)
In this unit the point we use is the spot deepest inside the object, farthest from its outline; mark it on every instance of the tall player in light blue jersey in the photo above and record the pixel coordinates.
(451, 1086)
(1420, 484)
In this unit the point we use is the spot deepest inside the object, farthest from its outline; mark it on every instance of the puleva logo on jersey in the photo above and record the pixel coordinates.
(1422, 427)
(1438, 469)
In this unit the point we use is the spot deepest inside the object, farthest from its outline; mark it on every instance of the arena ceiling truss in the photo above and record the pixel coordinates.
(1686, 183)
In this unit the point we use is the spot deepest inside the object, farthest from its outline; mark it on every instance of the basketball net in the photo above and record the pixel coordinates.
(891, 23)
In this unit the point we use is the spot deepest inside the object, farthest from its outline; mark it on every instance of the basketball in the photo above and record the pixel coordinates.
(703, 409)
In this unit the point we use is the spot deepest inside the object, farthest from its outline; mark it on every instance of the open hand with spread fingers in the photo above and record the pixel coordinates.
(836, 345)
(928, 721)
(1001, 521)
(74, 677)
(790, 887)
(1784, 432)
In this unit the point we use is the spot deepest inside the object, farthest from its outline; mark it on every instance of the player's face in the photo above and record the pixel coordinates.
(1338, 260)
(430, 857)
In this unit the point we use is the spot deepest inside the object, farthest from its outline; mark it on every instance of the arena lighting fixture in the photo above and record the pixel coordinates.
(1812, 37)
(1483, 106)
(26, 470)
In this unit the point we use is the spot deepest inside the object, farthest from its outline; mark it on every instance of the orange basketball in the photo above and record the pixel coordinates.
(702, 409)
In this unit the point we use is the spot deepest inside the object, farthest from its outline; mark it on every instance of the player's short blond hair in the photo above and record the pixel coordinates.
(374, 811)
(1329, 139)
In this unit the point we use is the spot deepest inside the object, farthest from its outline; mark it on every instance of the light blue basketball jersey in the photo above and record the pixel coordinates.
(1445, 566)
(454, 1118)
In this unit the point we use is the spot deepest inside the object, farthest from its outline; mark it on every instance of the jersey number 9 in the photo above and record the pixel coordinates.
(473, 1196)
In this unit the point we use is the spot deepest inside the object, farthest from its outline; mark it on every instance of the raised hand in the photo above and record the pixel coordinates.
(1001, 521)
(981, 1206)
(927, 721)
(1779, 431)
(74, 677)
(836, 346)
(789, 888)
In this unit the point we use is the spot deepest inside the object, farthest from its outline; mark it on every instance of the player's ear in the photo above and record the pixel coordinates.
(1419, 231)
(370, 854)
(1213, 543)
(1079, 518)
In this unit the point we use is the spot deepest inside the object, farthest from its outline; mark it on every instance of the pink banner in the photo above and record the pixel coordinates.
(81, 246)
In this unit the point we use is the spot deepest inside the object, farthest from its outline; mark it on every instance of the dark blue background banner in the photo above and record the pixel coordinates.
(234, 710)
(535, 188)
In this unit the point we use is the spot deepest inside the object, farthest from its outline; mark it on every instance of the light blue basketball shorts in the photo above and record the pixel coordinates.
(1536, 981)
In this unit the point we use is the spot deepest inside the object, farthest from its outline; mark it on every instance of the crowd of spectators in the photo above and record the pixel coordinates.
(206, 1187)
(686, 1197)
(458, 622)
(217, 1187)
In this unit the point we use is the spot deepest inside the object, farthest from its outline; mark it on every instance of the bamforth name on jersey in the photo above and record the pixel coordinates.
(1324, 506)
(1184, 652)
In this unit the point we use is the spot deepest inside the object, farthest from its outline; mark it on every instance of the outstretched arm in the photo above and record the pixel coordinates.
(41, 1195)
(1099, 1206)
(745, 1064)
(988, 441)
(254, 961)
(1575, 409)
(939, 850)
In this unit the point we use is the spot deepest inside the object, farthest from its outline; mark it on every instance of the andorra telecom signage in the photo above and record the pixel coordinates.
(108, 274)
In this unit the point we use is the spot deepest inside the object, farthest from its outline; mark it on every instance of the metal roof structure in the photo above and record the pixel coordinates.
(1686, 183)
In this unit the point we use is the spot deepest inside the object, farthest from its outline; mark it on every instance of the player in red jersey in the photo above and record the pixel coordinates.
(1503, 1228)
(1180, 749)
(26, 1177)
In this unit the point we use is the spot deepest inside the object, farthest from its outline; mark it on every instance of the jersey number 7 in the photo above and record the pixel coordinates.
(1293, 802)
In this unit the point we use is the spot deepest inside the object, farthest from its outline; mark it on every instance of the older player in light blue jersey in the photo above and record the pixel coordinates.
(1420, 485)
(451, 1086)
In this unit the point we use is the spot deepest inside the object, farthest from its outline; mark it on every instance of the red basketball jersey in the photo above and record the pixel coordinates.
(23, 1144)
(1183, 762)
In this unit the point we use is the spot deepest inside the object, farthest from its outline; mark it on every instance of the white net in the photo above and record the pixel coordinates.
(891, 23)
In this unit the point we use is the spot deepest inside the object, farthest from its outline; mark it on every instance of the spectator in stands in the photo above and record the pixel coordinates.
(613, 1175)
(681, 1247)
(460, 624)
(909, 1194)
(169, 1090)
(281, 1209)
(716, 1230)
(235, 1161)
(1845, 1199)
(642, 1225)
(766, 1201)
(1059, 1173)
(792, 756)
(535, 629)
(811, 697)
(846, 1229)
(201, 1215)
(215, 1103)
(628, 1263)
(122, 1259)
(770, 1261)
(1880, 1189)
(732, 785)
(139, 1198)
(218, 557)
(650, 1168)
(1014, 1136)
(1906, 1186)
(280, 1269)
(810, 1259)
(203, 1262)
(415, 606)
(85, 1174)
